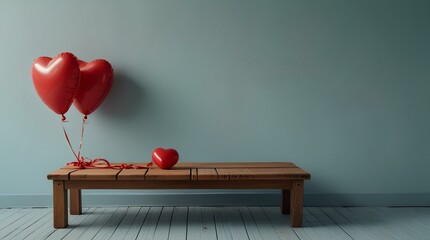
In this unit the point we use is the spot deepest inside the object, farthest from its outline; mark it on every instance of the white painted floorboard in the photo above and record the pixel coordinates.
(212, 223)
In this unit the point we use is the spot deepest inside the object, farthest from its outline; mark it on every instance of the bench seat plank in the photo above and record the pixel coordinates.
(94, 174)
(194, 174)
(132, 174)
(207, 174)
(279, 173)
(233, 173)
(61, 174)
(261, 174)
(169, 174)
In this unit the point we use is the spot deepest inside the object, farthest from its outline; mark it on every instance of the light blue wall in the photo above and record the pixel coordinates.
(339, 87)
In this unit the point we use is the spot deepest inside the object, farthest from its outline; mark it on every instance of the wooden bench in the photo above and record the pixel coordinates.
(285, 176)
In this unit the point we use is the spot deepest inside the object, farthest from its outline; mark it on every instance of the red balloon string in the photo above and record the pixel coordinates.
(63, 120)
(98, 162)
(84, 121)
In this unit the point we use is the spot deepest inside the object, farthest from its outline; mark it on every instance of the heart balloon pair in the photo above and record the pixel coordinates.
(64, 79)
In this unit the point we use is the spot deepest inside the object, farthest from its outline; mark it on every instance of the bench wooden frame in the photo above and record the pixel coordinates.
(285, 176)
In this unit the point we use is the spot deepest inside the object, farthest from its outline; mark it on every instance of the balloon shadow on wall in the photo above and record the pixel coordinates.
(125, 99)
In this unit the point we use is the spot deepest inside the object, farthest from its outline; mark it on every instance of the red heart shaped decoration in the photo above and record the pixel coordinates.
(56, 80)
(96, 82)
(165, 158)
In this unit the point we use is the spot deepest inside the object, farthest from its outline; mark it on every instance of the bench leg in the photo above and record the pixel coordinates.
(285, 201)
(296, 206)
(75, 201)
(60, 205)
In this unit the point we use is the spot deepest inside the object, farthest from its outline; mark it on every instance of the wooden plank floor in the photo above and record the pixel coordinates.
(231, 223)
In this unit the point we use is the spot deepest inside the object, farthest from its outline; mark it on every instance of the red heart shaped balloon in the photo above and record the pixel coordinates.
(56, 80)
(96, 82)
(165, 158)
